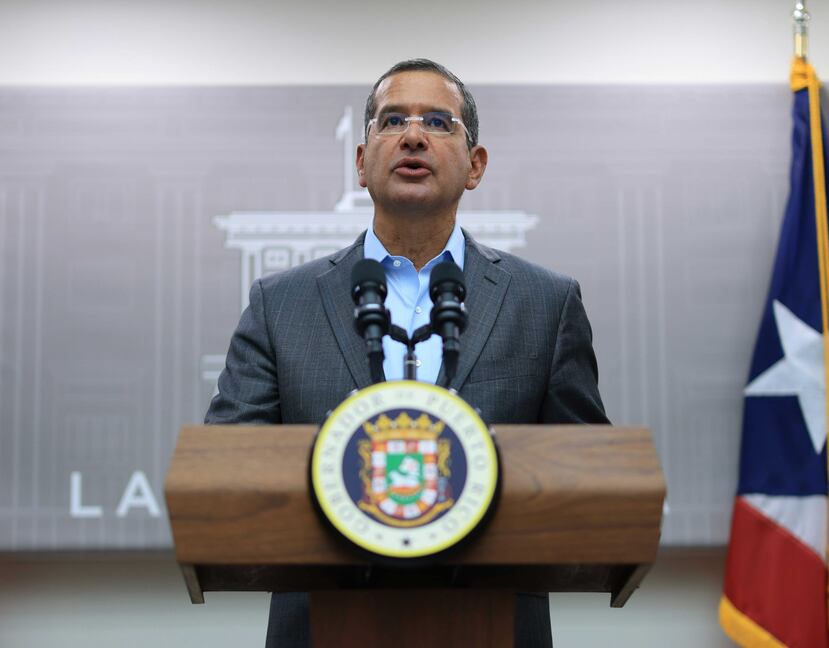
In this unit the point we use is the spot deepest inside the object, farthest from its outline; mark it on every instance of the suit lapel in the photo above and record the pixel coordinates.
(335, 291)
(486, 285)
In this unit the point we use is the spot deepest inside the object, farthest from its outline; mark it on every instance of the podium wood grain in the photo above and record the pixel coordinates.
(580, 510)
(382, 618)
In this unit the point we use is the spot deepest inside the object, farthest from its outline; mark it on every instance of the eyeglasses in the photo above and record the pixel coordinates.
(434, 123)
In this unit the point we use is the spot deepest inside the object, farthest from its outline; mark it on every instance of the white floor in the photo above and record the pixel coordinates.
(142, 602)
(676, 607)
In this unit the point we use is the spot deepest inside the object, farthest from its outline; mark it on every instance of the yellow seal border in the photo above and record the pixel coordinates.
(490, 475)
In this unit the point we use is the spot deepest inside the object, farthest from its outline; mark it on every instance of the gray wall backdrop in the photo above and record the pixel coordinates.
(121, 270)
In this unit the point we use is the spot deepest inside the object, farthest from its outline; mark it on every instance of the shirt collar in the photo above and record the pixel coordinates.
(455, 247)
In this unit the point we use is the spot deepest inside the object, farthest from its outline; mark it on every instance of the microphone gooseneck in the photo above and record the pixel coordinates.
(448, 317)
(371, 317)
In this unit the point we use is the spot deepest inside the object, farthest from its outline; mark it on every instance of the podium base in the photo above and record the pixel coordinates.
(412, 618)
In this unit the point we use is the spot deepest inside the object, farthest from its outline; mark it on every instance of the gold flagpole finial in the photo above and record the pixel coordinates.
(801, 17)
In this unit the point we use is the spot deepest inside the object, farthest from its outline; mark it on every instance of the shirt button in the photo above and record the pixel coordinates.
(418, 310)
(418, 363)
(397, 263)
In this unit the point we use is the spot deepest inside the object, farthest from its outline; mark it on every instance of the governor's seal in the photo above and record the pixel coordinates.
(404, 469)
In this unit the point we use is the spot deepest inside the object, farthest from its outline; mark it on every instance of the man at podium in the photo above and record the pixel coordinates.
(526, 355)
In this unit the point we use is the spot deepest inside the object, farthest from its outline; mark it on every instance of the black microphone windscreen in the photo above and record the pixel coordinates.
(368, 270)
(446, 271)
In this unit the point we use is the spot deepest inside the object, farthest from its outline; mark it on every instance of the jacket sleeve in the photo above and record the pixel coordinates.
(248, 386)
(573, 389)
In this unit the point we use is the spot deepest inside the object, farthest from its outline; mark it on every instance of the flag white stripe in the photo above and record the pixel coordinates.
(803, 517)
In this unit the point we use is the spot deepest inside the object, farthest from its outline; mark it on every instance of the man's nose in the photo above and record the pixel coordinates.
(414, 137)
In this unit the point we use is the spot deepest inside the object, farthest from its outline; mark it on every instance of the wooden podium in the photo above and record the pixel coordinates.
(580, 511)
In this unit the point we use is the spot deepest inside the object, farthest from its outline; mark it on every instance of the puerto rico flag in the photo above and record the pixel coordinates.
(775, 582)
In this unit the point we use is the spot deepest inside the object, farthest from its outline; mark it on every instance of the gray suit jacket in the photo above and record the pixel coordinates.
(526, 357)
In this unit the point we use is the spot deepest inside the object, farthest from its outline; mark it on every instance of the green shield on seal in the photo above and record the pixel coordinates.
(404, 477)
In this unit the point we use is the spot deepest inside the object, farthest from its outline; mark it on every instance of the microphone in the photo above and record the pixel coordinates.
(448, 317)
(371, 317)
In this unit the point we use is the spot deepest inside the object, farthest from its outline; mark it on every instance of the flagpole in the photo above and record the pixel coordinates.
(801, 18)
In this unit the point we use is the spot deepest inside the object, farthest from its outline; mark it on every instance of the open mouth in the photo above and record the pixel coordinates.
(412, 169)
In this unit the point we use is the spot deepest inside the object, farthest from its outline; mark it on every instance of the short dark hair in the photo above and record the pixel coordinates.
(469, 111)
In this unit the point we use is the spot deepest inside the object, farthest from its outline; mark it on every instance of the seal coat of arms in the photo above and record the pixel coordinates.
(404, 469)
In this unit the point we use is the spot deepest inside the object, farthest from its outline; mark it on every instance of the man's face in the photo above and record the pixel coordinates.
(415, 171)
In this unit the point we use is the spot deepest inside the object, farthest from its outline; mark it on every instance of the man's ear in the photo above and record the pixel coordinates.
(478, 158)
(361, 159)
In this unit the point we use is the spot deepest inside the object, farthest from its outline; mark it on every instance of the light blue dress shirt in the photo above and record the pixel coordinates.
(409, 302)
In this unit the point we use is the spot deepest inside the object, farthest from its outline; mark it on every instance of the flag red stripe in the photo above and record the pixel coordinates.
(776, 580)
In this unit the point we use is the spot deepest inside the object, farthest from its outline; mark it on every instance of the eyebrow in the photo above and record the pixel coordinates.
(399, 108)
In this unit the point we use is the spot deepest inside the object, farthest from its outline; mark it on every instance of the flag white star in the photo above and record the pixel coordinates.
(798, 373)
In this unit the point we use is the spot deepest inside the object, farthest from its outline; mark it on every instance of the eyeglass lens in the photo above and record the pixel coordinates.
(432, 122)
